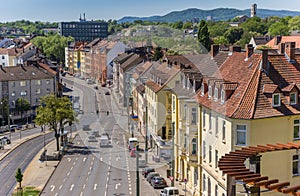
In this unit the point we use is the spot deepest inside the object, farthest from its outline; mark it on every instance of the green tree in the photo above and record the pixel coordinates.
(221, 40)
(157, 54)
(203, 35)
(22, 105)
(187, 25)
(233, 34)
(294, 23)
(55, 112)
(278, 28)
(19, 177)
(217, 28)
(255, 24)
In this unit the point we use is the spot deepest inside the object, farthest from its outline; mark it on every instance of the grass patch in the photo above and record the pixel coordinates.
(28, 191)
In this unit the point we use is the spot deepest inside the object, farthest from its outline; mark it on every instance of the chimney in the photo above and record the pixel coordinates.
(281, 48)
(249, 50)
(214, 49)
(277, 39)
(264, 61)
(235, 48)
(290, 50)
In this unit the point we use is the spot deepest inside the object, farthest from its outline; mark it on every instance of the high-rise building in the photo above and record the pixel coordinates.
(253, 10)
(84, 30)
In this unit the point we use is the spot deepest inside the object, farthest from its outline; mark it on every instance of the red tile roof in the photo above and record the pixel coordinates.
(252, 97)
(284, 39)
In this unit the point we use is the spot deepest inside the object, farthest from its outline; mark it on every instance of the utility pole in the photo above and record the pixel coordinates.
(137, 171)
(173, 161)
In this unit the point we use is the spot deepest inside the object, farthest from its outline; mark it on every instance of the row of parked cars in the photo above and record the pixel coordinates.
(157, 181)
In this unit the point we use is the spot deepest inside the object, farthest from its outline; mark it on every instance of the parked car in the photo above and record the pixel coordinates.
(170, 191)
(5, 140)
(147, 170)
(158, 182)
(142, 163)
(151, 175)
(107, 93)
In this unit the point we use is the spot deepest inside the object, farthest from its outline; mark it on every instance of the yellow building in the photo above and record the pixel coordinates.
(252, 100)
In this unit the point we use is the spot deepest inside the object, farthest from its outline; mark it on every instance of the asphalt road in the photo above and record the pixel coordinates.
(88, 169)
(20, 157)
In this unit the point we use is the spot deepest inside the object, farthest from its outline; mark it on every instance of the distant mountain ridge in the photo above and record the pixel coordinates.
(217, 14)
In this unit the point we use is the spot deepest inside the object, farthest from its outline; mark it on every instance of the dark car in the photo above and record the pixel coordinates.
(151, 175)
(107, 93)
(96, 87)
(158, 182)
(147, 170)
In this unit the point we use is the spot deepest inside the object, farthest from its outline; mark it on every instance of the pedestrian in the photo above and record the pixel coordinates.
(107, 112)
(42, 129)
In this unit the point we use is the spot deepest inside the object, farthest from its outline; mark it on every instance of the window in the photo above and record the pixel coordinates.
(223, 131)
(293, 98)
(202, 89)
(38, 91)
(241, 135)
(216, 158)
(222, 96)
(194, 146)
(22, 83)
(296, 165)
(296, 129)
(13, 94)
(23, 93)
(173, 104)
(194, 115)
(184, 111)
(204, 182)
(209, 122)
(276, 99)
(204, 149)
(216, 94)
(209, 91)
(217, 126)
(38, 82)
(210, 154)
(216, 190)
(203, 120)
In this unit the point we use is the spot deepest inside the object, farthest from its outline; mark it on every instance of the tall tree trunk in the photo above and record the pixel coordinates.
(57, 140)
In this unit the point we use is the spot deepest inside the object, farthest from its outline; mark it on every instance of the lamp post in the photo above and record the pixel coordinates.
(146, 144)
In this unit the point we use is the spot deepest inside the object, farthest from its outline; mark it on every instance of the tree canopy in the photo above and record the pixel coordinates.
(55, 112)
(203, 35)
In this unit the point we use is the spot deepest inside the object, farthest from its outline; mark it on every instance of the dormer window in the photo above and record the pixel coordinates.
(209, 92)
(222, 96)
(202, 90)
(216, 93)
(293, 98)
(276, 99)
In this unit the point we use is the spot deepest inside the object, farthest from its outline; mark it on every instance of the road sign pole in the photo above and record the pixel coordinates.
(137, 171)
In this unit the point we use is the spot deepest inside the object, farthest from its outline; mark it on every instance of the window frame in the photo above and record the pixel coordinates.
(295, 98)
(216, 94)
(194, 116)
(297, 161)
(296, 125)
(210, 94)
(223, 96)
(274, 96)
(244, 132)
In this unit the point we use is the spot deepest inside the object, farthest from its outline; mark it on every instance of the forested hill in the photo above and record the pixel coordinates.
(217, 14)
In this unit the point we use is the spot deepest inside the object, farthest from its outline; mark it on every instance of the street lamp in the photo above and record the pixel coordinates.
(146, 124)
(173, 157)
(137, 171)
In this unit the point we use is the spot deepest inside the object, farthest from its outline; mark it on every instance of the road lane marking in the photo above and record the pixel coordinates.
(93, 158)
(81, 193)
(69, 159)
(90, 167)
(68, 173)
(60, 187)
(84, 159)
(84, 186)
(129, 185)
(95, 186)
(106, 186)
(101, 159)
(74, 163)
(71, 188)
(71, 167)
(92, 162)
(105, 193)
(56, 194)
(52, 187)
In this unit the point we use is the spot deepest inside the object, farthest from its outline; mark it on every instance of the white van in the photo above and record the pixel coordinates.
(170, 191)
(104, 141)
(132, 142)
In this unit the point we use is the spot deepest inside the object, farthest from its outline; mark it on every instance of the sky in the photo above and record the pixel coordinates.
(70, 10)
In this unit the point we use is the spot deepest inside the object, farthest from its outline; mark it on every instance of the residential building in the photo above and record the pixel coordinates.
(27, 82)
(251, 100)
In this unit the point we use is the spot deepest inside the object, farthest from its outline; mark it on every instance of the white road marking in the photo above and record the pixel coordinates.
(60, 187)
(117, 158)
(93, 158)
(81, 193)
(56, 194)
(129, 188)
(74, 163)
(71, 167)
(130, 193)
(95, 186)
(106, 186)
(100, 158)
(117, 186)
(92, 162)
(129, 185)
(52, 187)
(84, 159)
(65, 179)
(71, 188)
(84, 186)
(69, 159)
(90, 167)
(68, 173)
(105, 193)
